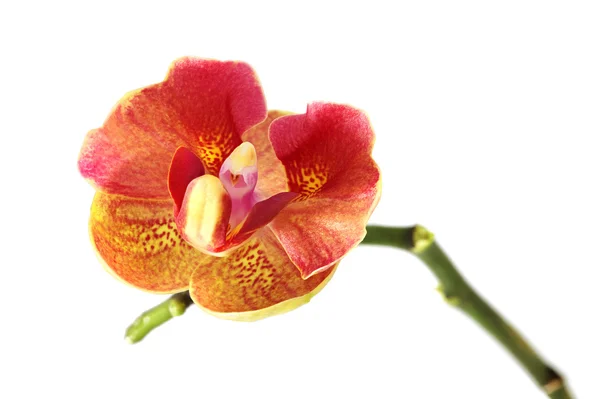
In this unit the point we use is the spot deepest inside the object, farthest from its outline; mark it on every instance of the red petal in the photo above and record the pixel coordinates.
(185, 167)
(327, 157)
(257, 280)
(204, 105)
(139, 243)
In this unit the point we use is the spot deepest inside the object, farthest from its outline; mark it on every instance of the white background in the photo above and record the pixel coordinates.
(487, 119)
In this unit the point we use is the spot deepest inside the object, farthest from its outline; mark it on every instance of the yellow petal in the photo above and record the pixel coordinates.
(138, 242)
(255, 281)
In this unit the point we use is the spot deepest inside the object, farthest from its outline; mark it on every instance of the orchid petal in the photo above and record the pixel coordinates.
(257, 280)
(271, 173)
(185, 167)
(204, 105)
(138, 242)
(327, 157)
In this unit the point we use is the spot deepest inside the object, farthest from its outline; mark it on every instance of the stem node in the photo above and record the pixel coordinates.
(422, 239)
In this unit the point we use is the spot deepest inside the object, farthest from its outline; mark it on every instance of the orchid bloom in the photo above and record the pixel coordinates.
(199, 188)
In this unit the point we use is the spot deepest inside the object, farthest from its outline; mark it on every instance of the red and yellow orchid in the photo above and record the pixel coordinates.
(199, 188)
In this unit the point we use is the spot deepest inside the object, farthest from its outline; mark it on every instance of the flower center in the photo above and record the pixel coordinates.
(238, 175)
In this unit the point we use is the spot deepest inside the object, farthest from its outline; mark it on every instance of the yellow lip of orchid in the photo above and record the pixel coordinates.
(197, 191)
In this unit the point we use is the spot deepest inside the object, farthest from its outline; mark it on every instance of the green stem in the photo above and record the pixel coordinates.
(457, 292)
(152, 318)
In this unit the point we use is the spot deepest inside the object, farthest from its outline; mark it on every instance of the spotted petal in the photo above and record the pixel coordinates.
(139, 243)
(257, 280)
(327, 158)
(203, 105)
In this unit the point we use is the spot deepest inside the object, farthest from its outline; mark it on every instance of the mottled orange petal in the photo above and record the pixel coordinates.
(204, 105)
(271, 173)
(257, 280)
(327, 157)
(139, 243)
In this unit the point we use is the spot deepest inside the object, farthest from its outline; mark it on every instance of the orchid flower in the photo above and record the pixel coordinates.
(204, 194)
(199, 188)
